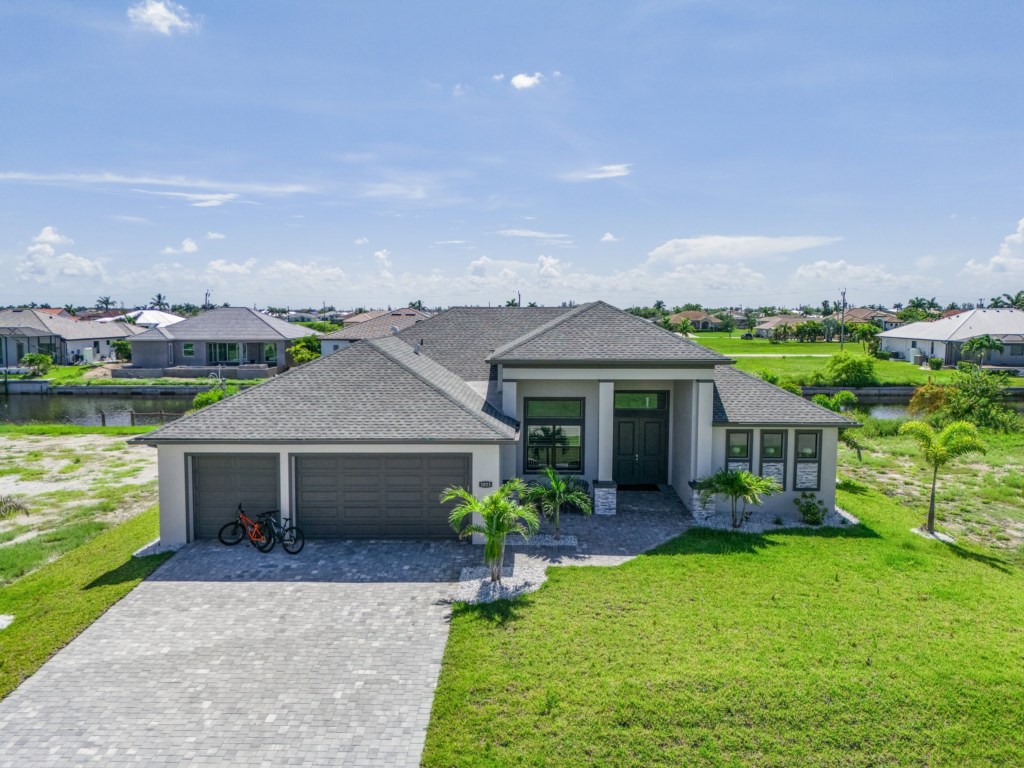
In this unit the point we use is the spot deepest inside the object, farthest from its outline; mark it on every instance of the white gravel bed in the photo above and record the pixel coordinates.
(763, 521)
(5, 620)
(938, 535)
(475, 585)
(545, 540)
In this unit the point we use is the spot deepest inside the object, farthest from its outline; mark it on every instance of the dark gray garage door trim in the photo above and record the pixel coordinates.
(391, 492)
(241, 489)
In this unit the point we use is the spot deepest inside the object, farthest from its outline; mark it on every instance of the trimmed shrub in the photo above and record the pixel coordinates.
(849, 370)
(935, 363)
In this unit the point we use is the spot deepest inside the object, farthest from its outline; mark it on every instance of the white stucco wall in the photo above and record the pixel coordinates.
(783, 501)
(175, 493)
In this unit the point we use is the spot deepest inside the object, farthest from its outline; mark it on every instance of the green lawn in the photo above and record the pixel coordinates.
(70, 429)
(866, 646)
(54, 604)
(888, 371)
(734, 345)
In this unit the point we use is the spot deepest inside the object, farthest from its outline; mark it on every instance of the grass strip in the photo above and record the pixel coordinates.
(59, 430)
(54, 604)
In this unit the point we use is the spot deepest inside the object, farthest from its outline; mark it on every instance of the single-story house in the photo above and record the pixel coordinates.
(766, 325)
(701, 321)
(145, 318)
(66, 340)
(360, 443)
(237, 342)
(362, 317)
(945, 338)
(382, 325)
(880, 317)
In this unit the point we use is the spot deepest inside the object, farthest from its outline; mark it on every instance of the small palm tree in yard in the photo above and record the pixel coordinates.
(939, 448)
(737, 486)
(553, 497)
(501, 515)
(981, 346)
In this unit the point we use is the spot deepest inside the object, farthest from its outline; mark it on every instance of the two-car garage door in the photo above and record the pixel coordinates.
(336, 496)
(377, 495)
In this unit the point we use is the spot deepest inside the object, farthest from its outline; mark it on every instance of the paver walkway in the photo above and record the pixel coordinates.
(225, 657)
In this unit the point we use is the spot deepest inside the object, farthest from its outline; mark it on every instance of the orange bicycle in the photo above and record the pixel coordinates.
(259, 534)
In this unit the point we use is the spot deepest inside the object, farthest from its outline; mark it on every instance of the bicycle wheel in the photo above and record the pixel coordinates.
(231, 534)
(292, 540)
(269, 538)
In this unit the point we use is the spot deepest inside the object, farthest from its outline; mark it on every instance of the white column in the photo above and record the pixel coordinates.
(284, 483)
(605, 430)
(702, 455)
(509, 403)
(510, 453)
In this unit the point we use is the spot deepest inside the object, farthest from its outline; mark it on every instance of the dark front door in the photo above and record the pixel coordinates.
(641, 450)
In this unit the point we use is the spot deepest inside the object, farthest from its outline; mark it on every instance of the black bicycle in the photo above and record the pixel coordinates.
(291, 538)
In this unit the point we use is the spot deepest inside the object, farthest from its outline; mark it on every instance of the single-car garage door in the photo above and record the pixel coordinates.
(377, 495)
(220, 481)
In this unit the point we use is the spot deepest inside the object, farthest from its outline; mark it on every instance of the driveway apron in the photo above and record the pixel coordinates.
(225, 657)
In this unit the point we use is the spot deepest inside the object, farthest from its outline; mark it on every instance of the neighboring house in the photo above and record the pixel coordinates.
(944, 338)
(55, 312)
(302, 317)
(68, 341)
(701, 321)
(145, 318)
(362, 317)
(380, 326)
(237, 342)
(766, 325)
(880, 317)
(360, 443)
(99, 314)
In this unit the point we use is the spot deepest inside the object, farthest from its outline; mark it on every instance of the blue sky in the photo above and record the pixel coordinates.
(458, 152)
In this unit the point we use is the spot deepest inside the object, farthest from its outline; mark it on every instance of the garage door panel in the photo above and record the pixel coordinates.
(220, 482)
(382, 496)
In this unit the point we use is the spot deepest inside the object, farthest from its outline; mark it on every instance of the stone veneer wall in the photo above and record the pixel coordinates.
(605, 495)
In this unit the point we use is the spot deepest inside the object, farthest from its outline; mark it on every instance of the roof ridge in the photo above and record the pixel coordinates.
(478, 415)
(504, 349)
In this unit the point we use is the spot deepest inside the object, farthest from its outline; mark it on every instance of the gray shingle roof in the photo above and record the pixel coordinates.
(28, 321)
(228, 324)
(379, 326)
(373, 391)
(602, 334)
(744, 399)
(462, 338)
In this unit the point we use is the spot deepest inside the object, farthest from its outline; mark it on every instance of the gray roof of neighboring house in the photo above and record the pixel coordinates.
(601, 334)
(744, 399)
(362, 317)
(374, 391)
(962, 326)
(462, 338)
(379, 326)
(228, 324)
(30, 322)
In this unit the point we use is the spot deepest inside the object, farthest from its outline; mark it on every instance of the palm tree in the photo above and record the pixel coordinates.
(998, 302)
(159, 302)
(70, 309)
(1014, 301)
(417, 304)
(659, 305)
(940, 448)
(737, 486)
(841, 401)
(551, 498)
(898, 306)
(501, 515)
(104, 302)
(981, 346)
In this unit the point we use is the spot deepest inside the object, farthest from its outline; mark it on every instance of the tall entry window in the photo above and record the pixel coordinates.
(807, 474)
(221, 352)
(554, 434)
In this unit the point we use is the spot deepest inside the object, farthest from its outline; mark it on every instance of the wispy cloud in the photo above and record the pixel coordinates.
(733, 248)
(188, 245)
(831, 274)
(449, 242)
(608, 237)
(530, 233)
(459, 90)
(613, 171)
(361, 241)
(196, 199)
(395, 190)
(130, 219)
(162, 16)
(216, 236)
(106, 179)
(498, 77)
(524, 81)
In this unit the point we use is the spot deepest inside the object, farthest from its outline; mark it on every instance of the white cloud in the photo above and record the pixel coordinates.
(613, 171)
(130, 219)
(843, 273)
(608, 237)
(459, 90)
(162, 16)
(498, 77)
(361, 241)
(188, 245)
(42, 264)
(1008, 263)
(449, 242)
(528, 233)
(50, 236)
(521, 81)
(725, 247)
(383, 256)
(224, 267)
(216, 236)
(549, 266)
(197, 199)
(104, 179)
(396, 190)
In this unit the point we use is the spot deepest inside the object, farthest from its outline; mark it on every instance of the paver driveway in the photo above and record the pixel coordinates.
(226, 657)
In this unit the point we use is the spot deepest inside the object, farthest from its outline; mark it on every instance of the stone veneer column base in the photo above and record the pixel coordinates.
(701, 512)
(605, 495)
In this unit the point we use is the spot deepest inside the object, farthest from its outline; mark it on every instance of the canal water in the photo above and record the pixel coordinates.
(91, 410)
